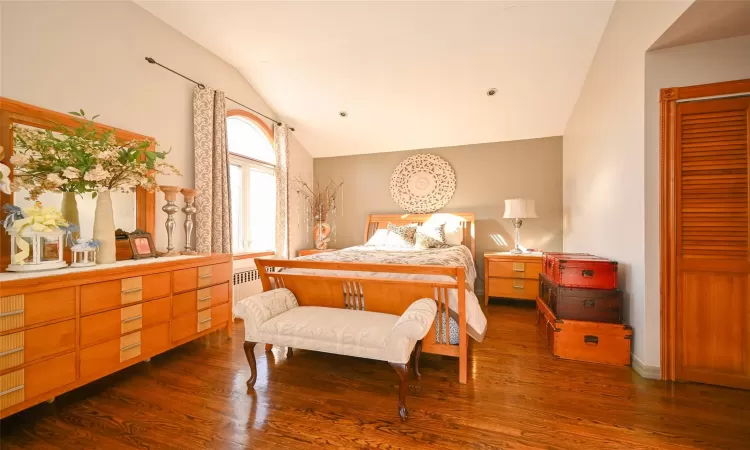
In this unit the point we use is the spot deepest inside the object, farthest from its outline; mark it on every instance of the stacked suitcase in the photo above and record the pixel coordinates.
(579, 309)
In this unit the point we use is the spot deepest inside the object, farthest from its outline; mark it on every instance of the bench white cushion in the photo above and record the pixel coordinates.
(273, 317)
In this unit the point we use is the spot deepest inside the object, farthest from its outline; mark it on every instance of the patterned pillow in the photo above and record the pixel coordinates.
(401, 237)
(431, 236)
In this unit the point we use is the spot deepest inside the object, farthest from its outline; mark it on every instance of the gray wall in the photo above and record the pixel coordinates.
(486, 174)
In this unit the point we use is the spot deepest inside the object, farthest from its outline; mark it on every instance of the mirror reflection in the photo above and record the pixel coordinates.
(124, 205)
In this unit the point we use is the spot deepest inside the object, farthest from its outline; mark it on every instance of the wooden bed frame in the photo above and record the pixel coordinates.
(381, 294)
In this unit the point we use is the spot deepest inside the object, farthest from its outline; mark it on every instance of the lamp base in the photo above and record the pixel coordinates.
(517, 237)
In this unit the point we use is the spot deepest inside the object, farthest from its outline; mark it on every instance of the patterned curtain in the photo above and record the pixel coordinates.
(280, 145)
(213, 221)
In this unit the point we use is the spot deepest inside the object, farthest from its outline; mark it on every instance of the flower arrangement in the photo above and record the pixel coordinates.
(82, 160)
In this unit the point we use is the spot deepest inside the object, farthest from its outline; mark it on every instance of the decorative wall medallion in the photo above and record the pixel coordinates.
(422, 184)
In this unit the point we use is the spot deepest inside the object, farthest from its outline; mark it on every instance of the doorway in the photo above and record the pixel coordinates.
(705, 256)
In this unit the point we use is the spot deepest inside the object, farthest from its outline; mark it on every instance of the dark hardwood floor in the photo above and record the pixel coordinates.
(518, 396)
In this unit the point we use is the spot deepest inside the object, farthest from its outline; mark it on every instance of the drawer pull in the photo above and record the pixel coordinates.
(518, 284)
(128, 347)
(130, 291)
(204, 276)
(13, 389)
(591, 340)
(587, 273)
(589, 303)
(519, 267)
(10, 352)
(204, 320)
(11, 313)
(130, 319)
(203, 299)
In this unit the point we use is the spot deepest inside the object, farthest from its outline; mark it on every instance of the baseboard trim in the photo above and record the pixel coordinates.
(652, 372)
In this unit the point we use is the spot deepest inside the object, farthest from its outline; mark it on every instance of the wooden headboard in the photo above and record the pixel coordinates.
(377, 222)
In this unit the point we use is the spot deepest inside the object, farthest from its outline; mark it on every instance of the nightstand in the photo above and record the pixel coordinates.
(511, 276)
(312, 251)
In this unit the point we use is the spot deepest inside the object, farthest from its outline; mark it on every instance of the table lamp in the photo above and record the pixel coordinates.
(518, 209)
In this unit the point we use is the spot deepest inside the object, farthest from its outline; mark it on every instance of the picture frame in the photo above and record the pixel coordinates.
(142, 245)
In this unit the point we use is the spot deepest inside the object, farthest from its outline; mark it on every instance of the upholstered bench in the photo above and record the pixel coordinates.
(274, 317)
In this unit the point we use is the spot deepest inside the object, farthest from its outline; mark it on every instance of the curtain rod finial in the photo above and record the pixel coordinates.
(151, 60)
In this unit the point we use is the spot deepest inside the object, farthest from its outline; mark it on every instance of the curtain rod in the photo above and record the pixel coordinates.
(203, 86)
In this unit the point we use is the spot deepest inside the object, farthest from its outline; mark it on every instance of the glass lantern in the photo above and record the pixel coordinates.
(45, 251)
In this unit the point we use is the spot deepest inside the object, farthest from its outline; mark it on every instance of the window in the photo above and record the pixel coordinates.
(252, 183)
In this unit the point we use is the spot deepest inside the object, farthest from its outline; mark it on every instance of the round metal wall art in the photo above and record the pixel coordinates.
(423, 183)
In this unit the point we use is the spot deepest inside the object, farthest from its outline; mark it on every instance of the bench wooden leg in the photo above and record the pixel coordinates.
(403, 374)
(250, 354)
(269, 347)
(417, 355)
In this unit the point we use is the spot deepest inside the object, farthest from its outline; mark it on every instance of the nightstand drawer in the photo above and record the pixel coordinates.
(513, 288)
(515, 269)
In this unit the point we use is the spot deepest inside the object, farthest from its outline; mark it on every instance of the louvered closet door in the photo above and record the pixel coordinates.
(713, 307)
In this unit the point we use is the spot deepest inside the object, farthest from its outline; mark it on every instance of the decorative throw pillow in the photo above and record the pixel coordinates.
(400, 237)
(431, 236)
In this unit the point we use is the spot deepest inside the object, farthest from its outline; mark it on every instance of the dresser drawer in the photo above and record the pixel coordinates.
(189, 279)
(111, 324)
(17, 311)
(100, 358)
(513, 288)
(190, 302)
(111, 294)
(192, 324)
(155, 339)
(27, 346)
(514, 269)
(36, 379)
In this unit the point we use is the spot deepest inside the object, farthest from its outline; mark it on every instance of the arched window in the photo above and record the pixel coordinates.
(252, 183)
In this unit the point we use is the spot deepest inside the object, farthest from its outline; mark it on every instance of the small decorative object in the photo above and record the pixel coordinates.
(189, 209)
(84, 253)
(82, 160)
(170, 195)
(37, 238)
(320, 207)
(423, 183)
(518, 209)
(142, 244)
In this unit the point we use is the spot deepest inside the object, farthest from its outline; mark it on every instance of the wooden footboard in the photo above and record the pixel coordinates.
(386, 295)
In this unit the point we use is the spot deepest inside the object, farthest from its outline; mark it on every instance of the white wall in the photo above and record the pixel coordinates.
(708, 62)
(603, 154)
(66, 56)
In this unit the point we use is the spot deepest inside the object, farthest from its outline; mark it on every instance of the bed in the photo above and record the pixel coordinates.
(388, 280)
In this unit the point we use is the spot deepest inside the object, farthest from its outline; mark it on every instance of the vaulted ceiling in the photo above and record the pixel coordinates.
(409, 75)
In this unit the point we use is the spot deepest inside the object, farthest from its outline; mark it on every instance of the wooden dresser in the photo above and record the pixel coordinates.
(62, 329)
(511, 276)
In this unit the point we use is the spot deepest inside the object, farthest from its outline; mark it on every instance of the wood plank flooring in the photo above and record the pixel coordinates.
(518, 397)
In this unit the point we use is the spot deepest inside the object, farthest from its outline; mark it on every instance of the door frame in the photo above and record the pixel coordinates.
(669, 97)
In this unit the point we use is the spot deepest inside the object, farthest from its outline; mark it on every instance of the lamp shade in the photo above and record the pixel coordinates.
(518, 208)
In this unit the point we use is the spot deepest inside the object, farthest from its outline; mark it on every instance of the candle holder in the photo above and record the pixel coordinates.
(170, 195)
(189, 209)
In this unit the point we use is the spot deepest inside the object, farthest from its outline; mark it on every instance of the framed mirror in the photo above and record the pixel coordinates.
(133, 210)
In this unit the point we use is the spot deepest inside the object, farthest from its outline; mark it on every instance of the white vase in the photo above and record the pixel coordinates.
(104, 228)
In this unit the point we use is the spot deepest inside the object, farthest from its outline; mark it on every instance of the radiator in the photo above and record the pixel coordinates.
(245, 283)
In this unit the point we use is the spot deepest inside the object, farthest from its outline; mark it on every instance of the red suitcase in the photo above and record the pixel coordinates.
(580, 270)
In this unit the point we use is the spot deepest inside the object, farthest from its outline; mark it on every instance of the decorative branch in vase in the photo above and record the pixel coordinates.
(320, 208)
(83, 160)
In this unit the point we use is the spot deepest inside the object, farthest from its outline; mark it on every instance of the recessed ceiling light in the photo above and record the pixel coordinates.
(491, 92)
(343, 114)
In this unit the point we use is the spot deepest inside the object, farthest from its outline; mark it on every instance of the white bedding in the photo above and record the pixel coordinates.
(457, 255)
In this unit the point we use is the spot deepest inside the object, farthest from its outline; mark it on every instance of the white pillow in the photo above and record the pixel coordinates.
(378, 239)
(454, 231)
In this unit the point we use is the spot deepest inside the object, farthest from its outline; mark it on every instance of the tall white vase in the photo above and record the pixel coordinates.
(104, 228)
